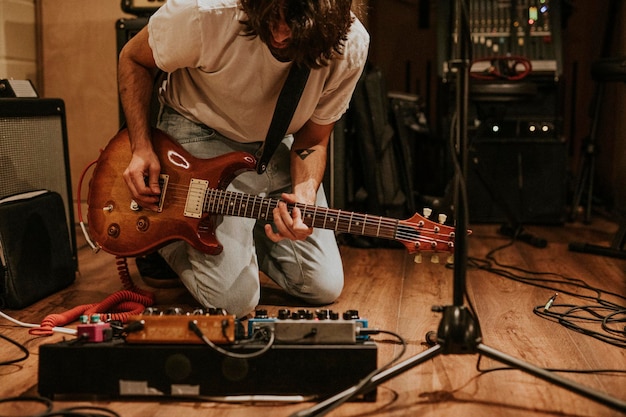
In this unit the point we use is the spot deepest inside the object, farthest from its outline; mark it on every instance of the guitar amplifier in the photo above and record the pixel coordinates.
(34, 152)
(141, 7)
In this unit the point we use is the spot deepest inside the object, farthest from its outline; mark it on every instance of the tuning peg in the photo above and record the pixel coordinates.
(442, 218)
(434, 259)
(427, 212)
(418, 258)
(450, 260)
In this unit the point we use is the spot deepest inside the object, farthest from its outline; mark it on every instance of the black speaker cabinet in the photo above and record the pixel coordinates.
(34, 153)
(519, 180)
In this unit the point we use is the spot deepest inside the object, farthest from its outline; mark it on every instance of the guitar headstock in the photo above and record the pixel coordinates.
(419, 234)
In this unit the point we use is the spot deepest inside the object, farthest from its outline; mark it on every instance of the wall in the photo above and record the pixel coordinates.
(18, 46)
(79, 64)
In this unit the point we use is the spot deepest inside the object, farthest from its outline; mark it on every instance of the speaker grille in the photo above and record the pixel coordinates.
(32, 159)
(33, 150)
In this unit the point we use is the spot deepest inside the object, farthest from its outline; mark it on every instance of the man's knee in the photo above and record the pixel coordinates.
(326, 289)
(238, 304)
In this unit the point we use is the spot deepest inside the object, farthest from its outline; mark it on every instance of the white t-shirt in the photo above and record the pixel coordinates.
(231, 82)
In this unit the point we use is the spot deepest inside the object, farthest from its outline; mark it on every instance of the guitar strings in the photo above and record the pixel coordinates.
(217, 201)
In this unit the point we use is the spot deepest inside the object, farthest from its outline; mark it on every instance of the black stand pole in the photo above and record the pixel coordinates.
(459, 331)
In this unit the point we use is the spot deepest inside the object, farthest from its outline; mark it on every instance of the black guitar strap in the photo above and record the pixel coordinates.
(285, 108)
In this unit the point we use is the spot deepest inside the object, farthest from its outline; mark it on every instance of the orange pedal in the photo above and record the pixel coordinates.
(175, 329)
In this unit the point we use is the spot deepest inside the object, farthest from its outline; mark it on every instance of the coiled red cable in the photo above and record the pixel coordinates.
(118, 306)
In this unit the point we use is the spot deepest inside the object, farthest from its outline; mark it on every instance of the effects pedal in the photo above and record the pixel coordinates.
(306, 327)
(172, 326)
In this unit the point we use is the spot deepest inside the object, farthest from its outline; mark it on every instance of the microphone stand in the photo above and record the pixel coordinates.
(458, 331)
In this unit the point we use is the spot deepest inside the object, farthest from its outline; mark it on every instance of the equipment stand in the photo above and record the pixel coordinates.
(585, 178)
(604, 70)
(459, 331)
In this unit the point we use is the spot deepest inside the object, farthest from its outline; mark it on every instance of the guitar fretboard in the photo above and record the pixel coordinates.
(256, 207)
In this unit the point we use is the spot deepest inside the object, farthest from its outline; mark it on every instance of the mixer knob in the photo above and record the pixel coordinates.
(302, 314)
(260, 314)
(217, 311)
(323, 314)
(284, 313)
(174, 311)
(152, 311)
(351, 315)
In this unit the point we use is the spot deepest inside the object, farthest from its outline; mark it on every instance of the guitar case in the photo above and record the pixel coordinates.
(35, 250)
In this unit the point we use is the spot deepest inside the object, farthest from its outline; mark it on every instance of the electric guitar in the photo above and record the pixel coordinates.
(193, 193)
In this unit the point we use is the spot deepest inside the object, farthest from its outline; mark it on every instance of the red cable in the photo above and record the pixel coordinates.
(503, 68)
(118, 306)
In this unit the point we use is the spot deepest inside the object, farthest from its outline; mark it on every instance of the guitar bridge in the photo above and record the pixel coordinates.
(194, 204)
(163, 180)
(134, 206)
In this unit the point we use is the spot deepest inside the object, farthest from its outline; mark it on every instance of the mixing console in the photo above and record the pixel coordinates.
(527, 29)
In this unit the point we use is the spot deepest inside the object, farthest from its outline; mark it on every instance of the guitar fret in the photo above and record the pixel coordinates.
(314, 217)
(240, 205)
(223, 209)
(211, 200)
(255, 205)
(248, 205)
(267, 213)
(231, 203)
(262, 215)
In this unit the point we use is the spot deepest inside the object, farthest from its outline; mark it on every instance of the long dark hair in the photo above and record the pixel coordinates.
(318, 27)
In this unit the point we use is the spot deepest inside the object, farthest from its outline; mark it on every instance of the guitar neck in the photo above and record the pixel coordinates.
(256, 207)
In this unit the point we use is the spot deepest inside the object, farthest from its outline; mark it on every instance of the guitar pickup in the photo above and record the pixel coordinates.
(194, 205)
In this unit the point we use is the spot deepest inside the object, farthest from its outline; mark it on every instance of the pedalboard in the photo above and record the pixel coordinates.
(120, 370)
(175, 354)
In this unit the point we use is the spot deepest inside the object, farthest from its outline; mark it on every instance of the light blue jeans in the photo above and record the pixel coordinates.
(310, 270)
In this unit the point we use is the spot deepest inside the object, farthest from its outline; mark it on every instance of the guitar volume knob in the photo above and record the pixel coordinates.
(113, 230)
(143, 224)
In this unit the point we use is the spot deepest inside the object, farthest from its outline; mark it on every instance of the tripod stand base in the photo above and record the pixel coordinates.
(616, 250)
(459, 333)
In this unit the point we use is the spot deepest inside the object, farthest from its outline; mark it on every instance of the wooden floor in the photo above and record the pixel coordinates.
(394, 293)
